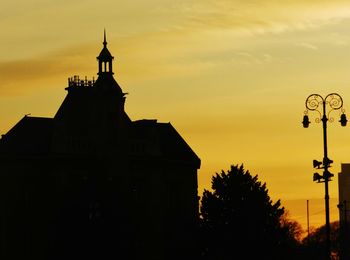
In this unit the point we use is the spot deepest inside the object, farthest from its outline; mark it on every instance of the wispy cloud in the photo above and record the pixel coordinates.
(339, 39)
(19, 76)
(307, 46)
(257, 17)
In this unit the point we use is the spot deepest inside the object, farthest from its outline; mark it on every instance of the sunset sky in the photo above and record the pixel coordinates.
(231, 76)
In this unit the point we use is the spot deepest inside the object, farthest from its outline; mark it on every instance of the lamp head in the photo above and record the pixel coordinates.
(327, 161)
(317, 164)
(343, 121)
(317, 177)
(306, 121)
(328, 175)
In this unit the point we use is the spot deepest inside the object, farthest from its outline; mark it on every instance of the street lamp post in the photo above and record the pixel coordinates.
(316, 102)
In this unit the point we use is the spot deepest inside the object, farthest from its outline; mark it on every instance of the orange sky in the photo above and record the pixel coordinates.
(231, 76)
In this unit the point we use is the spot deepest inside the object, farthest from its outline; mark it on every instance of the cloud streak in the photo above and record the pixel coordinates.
(20, 76)
(308, 46)
(258, 17)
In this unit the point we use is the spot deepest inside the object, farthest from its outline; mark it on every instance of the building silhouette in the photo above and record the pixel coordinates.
(91, 183)
(344, 210)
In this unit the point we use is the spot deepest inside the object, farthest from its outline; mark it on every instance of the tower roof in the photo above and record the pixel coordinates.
(105, 54)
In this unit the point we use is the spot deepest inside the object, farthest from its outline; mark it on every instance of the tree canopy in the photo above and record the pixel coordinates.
(314, 244)
(239, 218)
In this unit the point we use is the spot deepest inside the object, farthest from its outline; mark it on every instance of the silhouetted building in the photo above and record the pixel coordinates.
(91, 183)
(344, 210)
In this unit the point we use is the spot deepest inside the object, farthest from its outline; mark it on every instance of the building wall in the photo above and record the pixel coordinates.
(57, 207)
(344, 210)
(344, 192)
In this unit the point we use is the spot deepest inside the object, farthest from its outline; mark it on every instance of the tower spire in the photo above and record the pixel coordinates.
(105, 58)
(104, 38)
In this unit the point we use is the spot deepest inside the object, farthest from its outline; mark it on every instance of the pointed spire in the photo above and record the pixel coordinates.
(104, 38)
(105, 58)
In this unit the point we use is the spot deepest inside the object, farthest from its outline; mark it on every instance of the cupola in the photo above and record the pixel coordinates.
(105, 59)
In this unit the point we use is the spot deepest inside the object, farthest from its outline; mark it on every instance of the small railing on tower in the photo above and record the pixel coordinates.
(75, 81)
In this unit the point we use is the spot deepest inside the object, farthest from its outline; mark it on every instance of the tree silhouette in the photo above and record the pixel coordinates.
(239, 219)
(314, 244)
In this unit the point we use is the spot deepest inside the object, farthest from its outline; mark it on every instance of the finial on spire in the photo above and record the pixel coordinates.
(104, 38)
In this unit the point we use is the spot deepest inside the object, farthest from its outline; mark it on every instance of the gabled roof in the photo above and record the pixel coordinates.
(171, 145)
(31, 135)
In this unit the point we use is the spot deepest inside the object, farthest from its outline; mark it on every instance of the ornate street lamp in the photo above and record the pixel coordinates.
(317, 103)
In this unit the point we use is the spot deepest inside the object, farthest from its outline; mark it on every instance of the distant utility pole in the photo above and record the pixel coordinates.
(308, 223)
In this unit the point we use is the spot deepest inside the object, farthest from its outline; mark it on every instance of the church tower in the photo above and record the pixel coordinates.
(93, 111)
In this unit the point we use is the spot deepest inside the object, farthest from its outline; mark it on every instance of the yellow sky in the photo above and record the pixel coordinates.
(231, 76)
